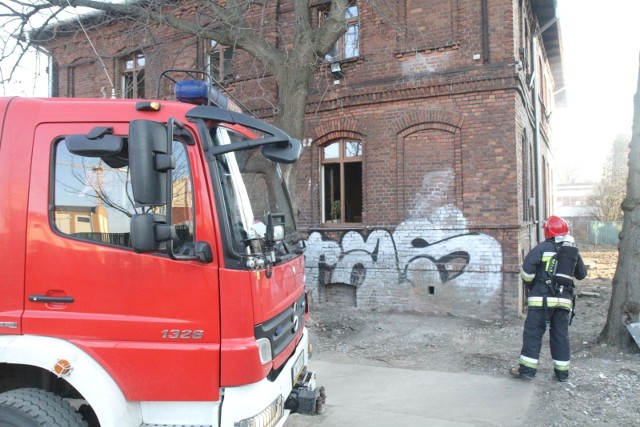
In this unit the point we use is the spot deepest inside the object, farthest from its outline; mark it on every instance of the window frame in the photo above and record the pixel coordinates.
(55, 214)
(136, 74)
(341, 160)
(223, 70)
(340, 48)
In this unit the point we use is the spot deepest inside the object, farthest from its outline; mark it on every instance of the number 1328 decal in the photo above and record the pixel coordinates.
(182, 334)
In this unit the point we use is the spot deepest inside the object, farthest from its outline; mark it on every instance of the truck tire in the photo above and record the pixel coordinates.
(32, 407)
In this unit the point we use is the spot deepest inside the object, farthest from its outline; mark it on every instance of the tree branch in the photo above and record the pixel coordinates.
(233, 30)
(334, 27)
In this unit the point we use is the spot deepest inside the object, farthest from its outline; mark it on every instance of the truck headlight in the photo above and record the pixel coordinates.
(264, 348)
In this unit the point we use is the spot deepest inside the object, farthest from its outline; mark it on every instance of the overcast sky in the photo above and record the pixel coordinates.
(601, 47)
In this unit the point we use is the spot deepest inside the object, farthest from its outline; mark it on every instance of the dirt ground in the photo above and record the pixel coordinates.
(604, 388)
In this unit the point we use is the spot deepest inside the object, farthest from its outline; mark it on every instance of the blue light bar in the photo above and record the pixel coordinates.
(199, 93)
(192, 92)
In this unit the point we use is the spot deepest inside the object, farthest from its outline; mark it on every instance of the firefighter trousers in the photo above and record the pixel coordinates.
(534, 328)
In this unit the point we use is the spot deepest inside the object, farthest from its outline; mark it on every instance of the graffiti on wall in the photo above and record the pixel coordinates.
(433, 252)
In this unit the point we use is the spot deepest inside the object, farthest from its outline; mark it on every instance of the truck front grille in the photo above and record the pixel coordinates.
(283, 328)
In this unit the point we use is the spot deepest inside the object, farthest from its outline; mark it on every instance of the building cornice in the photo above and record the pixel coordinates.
(393, 91)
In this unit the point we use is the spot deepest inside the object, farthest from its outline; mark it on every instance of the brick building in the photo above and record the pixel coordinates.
(419, 186)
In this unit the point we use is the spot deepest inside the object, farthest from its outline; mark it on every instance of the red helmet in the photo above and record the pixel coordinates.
(555, 226)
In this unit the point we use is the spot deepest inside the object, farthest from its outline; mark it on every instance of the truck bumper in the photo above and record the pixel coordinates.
(263, 403)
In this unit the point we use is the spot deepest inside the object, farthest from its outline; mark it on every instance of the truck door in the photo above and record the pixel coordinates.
(14, 181)
(153, 322)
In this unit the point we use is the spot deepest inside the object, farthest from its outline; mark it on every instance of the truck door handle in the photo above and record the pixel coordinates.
(48, 299)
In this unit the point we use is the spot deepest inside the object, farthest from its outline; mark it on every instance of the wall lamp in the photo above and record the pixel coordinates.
(336, 72)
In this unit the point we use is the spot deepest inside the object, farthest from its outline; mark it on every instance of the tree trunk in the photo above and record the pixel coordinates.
(293, 88)
(625, 297)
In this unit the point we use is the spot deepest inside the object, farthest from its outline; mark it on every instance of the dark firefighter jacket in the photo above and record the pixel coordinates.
(535, 276)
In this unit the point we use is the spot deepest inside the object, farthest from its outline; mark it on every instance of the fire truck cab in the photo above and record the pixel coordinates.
(152, 272)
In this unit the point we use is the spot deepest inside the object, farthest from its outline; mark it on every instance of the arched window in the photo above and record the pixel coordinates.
(342, 182)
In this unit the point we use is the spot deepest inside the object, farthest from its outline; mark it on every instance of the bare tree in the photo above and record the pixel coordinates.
(293, 63)
(292, 59)
(16, 20)
(610, 191)
(103, 183)
(625, 299)
(289, 54)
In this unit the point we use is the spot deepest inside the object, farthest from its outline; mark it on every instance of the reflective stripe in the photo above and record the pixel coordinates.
(526, 276)
(528, 362)
(566, 276)
(546, 258)
(552, 302)
(561, 365)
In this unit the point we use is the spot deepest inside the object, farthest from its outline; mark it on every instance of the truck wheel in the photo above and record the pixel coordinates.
(32, 407)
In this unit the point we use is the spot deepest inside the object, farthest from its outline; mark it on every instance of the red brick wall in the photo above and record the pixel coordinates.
(443, 122)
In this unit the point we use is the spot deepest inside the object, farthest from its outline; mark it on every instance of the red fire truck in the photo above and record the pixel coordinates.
(152, 273)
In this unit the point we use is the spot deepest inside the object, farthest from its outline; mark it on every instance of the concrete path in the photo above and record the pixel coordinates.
(372, 396)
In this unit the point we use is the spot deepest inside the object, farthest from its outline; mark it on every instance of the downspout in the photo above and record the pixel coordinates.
(485, 31)
(536, 118)
(54, 83)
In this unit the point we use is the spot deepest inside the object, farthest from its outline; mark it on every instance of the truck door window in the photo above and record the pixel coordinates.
(253, 189)
(93, 199)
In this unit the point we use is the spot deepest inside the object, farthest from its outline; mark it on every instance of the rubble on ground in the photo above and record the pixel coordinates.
(604, 384)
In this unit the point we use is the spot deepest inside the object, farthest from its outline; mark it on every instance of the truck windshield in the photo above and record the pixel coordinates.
(253, 189)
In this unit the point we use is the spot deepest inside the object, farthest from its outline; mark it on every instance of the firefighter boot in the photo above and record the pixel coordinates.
(516, 373)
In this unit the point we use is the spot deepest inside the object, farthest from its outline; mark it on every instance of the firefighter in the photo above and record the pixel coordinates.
(550, 299)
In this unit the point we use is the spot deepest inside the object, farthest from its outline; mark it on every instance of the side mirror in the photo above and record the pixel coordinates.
(287, 152)
(278, 232)
(277, 145)
(275, 227)
(97, 143)
(149, 231)
(149, 161)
